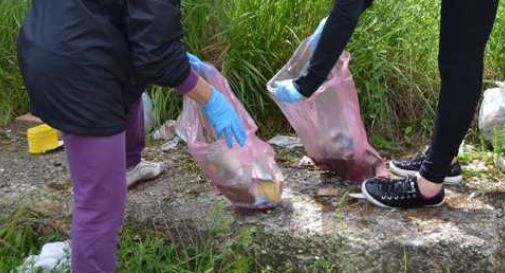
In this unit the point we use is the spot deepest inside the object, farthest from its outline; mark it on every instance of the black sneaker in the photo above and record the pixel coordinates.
(398, 193)
(410, 166)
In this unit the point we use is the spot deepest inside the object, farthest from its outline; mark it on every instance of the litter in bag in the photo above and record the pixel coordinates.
(249, 176)
(329, 122)
(492, 114)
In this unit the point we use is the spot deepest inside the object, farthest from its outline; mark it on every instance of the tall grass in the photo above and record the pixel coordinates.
(394, 57)
(250, 40)
(13, 98)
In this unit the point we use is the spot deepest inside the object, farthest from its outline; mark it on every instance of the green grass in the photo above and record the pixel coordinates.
(13, 98)
(145, 248)
(394, 58)
(24, 233)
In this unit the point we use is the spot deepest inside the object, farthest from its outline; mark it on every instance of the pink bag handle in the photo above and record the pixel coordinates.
(346, 58)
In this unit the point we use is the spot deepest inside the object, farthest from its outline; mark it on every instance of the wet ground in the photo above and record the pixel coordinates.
(316, 217)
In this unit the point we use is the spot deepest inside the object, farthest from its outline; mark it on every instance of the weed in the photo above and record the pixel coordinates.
(394, 58)
(13, 98)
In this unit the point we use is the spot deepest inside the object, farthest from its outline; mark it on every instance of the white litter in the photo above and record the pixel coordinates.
(147, 104)
(492, 113)
(286, 142)
(179, 129)
(171, 144)
(306, 162)
(166, 131)
(357, 195)
(52, 257)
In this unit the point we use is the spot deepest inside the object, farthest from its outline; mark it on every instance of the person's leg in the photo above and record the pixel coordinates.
(465, 29)
(98, 170)
(138, 170)
(135, 135)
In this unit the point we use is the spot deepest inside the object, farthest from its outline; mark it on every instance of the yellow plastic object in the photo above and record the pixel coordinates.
(42, 139)
(269, 190)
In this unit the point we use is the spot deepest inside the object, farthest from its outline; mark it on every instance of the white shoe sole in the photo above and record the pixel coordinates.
(374, 201)
(449, 180)
(145, 178)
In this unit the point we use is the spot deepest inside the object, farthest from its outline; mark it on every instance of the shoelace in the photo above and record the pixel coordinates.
(398, 190)
(416, 160)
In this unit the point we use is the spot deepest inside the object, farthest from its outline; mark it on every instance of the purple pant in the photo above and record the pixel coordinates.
(98, 170)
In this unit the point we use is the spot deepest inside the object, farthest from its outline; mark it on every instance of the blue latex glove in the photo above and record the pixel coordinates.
(286, 92)
(224, 119)
(193, 58)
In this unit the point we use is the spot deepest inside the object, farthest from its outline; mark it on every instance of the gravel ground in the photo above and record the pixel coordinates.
(466, 235)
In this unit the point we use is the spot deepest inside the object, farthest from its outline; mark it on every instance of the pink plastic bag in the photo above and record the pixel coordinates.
(249, 176)
(329, 122)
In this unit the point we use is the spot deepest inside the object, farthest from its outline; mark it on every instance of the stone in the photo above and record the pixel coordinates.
(327, 192)
(22, 123)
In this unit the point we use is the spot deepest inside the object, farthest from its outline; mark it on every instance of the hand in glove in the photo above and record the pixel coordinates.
(286, 92)
(193, 58)
(224, 119)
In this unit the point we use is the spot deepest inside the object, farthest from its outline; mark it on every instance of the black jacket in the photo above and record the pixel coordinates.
(86, 61)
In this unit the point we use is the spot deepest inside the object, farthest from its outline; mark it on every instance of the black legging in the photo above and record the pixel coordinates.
(465, 29)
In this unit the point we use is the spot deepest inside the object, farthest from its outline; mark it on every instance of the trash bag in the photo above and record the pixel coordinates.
(249, 176)
(329, 122)
(147, 104)
(492, 114)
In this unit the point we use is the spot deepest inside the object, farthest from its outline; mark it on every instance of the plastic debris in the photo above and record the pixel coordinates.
(166, 132)
(171, 144)
(42, 139)
(492, 114)
(249, 176)
(357, 195)
(329, 122)
(306, 162)
(54, 257)
(286, 142)
(147, 104)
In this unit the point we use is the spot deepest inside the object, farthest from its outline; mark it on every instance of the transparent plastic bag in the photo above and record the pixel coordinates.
(492, 114)
(249, 176)
(316, 36)
(329, 122)
(147, 105)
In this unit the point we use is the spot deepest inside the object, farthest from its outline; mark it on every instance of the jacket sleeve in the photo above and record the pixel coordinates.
(155, 35)
(336, 34)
